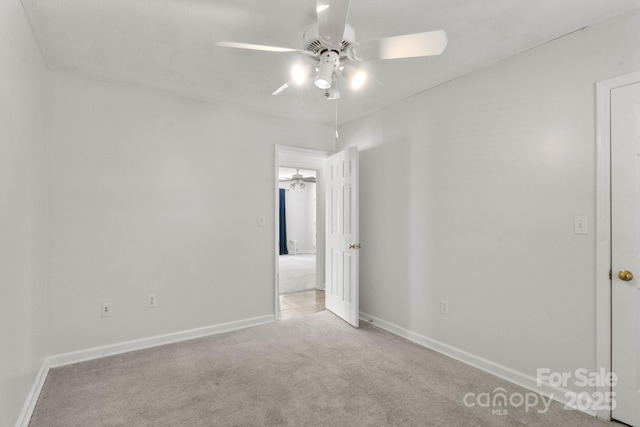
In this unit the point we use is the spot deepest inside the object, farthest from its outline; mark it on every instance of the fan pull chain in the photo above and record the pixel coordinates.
(336, 124)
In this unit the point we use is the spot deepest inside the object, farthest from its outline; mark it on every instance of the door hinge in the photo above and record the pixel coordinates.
(609, 274)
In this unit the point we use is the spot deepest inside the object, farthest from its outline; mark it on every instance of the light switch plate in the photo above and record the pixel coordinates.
(580, 225)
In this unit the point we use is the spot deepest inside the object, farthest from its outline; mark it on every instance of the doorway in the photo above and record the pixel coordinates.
(617, 291)
(300, 240)
(298, 293)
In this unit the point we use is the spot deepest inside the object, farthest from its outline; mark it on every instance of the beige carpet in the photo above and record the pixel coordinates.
(296, 273)
(308, 371)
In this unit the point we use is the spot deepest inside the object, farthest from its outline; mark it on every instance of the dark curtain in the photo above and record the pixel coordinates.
(283, 225)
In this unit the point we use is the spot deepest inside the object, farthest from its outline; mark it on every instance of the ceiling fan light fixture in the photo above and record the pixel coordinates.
(297, 184)
(329, 61)
(323, 79)
(331, 41)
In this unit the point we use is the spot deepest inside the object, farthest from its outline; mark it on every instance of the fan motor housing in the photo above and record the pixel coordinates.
(312, 42)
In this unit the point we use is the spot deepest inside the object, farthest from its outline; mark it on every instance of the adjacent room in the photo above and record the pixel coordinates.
(299, 289)
(455, 182)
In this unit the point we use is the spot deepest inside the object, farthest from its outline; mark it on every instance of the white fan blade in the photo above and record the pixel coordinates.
(251, 46)
(285, 87)
(239, 45)
(407, 46)
(332, 18)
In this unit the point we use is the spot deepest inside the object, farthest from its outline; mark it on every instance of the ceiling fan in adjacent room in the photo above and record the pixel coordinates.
(332, 52)
(297, 180)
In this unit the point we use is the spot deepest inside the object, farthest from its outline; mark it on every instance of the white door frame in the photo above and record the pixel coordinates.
(603, 222)
(303, 158)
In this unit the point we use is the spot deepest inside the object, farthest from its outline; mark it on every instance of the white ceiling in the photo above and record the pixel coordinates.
(169, 44)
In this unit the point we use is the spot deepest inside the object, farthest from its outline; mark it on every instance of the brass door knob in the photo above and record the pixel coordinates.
(352, 246)
(625, 275)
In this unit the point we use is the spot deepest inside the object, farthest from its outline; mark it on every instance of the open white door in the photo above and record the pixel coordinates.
(342, 260)
(625, 251)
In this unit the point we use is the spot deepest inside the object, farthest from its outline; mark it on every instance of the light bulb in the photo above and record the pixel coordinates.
(358, 80)
(323, 83)
(323, 79)
(298, 74)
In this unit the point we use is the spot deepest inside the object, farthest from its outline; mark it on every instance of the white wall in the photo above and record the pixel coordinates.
(141, 203)
(300, 212)
(22, 209)
(492, 169)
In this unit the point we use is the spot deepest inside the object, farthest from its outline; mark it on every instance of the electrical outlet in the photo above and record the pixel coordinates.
(105, 310)
(152, 300)
(444, 306)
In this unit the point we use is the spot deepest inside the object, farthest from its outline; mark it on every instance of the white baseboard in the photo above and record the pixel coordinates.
(123, 347)
(139, 344)
(519, 378)
(32, 397)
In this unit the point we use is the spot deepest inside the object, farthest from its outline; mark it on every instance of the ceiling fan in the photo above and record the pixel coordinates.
(298, 180)
(334, 53)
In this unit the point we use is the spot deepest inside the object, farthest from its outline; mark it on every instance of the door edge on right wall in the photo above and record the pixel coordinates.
(603, 225)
